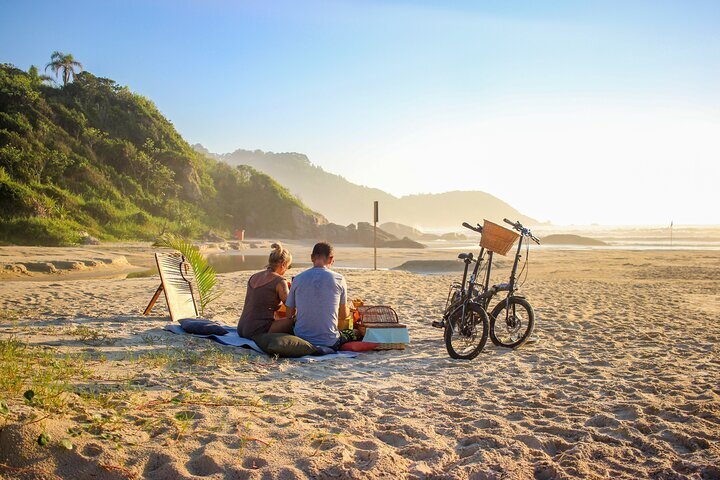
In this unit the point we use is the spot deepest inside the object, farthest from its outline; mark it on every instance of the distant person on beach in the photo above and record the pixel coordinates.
(265, 293)
(319, 297)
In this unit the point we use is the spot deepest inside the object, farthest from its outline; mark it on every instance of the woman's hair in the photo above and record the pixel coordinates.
(279, 256)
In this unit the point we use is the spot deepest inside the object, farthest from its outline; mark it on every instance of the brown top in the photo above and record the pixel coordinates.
(261, 302)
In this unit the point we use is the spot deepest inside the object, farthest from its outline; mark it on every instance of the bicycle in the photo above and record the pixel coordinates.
(468, 301)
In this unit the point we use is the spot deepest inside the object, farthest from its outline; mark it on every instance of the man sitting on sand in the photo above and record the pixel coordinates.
(319, 297)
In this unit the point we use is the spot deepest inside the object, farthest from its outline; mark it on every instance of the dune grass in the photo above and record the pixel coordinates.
(178, 358)
(115, 408)
(91, 336)
(45, 373)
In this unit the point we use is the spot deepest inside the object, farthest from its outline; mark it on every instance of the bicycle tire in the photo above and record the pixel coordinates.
(518, 329)
(466, 331)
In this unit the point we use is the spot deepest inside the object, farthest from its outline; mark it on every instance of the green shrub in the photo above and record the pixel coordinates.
(101, 210)
(39, 231)
(16, 199)
(139, 218)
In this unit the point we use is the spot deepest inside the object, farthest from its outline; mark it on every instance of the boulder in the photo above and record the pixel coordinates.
(190, 183)
(213, 237)
(403, 243)
(402, 231)
(333, 232)
(42, 267)
(16, 268)
(307, 225)
(454, 237)
(89, 240)
(365, 235)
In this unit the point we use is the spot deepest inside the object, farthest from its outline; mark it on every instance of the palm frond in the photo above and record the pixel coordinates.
(205, 275)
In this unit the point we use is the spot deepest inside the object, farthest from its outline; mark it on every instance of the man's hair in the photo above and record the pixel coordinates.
(322, 249)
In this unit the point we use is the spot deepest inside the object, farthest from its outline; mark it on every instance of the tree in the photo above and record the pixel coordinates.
(67, 63)
(36, 77)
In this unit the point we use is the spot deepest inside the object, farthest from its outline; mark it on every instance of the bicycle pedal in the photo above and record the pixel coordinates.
(437, 324)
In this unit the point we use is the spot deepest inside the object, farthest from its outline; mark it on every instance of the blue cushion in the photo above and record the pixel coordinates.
(321, 350)
(200, 326)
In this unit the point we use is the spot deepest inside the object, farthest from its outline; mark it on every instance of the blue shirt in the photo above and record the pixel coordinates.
(317, 294)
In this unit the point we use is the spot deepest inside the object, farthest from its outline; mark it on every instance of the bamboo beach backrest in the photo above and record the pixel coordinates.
(178, 280)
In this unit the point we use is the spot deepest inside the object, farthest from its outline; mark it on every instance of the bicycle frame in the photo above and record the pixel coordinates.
(487, 292)
(468, 302)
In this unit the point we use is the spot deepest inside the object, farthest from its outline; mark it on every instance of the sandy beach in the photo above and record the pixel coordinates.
(622, 381)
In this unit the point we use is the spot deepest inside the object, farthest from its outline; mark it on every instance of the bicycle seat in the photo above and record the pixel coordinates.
(463, 256)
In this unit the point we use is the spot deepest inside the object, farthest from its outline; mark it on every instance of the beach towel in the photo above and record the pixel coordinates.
(232, 339)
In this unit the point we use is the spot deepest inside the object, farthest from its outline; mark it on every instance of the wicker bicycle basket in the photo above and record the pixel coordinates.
(496, 238)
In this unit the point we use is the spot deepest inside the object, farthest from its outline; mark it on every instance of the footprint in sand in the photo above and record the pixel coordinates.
(365, 445)
(393, 439)
(161, 466)
(682, 443)
(602, 420)
(204, 466)
(92, 450)
(290, 473)
(254, 463)
(554, 446)
(547, 471)
(365, 459)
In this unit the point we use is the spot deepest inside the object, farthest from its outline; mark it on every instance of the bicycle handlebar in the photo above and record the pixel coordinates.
(515, 225)
(477, 229)
(523, 231)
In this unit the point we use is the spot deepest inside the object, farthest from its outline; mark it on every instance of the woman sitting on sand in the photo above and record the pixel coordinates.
(265, 292)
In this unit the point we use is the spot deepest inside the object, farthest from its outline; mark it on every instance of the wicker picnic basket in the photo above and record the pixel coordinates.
(496, 238)
(376, 316)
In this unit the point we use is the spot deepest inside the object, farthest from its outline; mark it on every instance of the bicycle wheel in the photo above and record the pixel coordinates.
(512, 322)
(466, 332)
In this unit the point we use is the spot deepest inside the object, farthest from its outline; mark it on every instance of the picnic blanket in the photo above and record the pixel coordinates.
(234, 340)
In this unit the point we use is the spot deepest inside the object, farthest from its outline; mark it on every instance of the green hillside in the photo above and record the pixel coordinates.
(92, 156)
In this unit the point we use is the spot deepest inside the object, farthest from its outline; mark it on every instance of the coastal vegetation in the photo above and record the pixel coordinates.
(89, 156)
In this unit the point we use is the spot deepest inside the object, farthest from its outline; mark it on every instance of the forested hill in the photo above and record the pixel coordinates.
(345, 202)
(93, 156)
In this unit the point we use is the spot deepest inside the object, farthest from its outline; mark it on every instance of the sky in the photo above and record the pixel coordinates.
(574, 112)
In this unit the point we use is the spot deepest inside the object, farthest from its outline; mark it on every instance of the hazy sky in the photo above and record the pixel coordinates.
(575, 112)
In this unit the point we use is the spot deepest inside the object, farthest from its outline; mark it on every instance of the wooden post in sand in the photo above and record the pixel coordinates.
(375, 222)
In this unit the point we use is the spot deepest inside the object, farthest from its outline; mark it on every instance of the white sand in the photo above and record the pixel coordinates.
(622, 383)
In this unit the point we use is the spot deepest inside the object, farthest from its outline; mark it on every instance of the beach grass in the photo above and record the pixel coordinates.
(44, 375)
(177, 358)
(90, 336)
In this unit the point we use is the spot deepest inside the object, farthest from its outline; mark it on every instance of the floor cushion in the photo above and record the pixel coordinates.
(284, 345)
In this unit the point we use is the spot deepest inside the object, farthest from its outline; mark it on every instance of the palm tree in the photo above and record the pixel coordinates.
(66, 63)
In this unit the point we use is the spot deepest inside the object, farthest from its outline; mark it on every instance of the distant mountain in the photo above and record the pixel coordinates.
(91, 156)
(345, 202)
